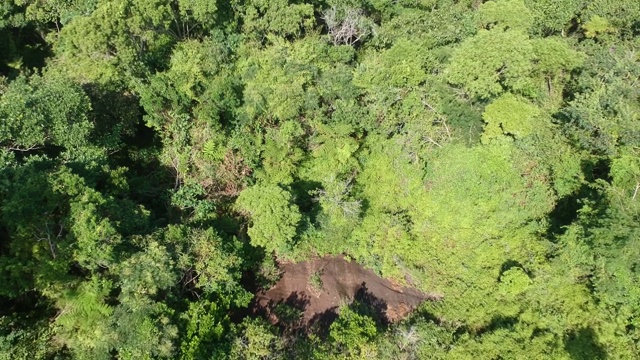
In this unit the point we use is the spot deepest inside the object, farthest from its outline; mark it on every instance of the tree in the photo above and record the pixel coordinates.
(346, 25)
(82, 323)
(465, 213)
(553, 17)
(281, 18)
(207, 326)
(117, 41)
(255, 340)
(274, 218)
(351, 334)
(43, 110)
(510, 115)
(491, 62)
(506, 58)
(601, 115)
(505, 14)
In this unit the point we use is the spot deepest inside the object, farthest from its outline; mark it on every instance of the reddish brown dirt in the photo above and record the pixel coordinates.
(342, 282)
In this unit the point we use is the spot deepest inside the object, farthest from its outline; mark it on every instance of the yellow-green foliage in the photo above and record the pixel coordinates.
(273, 217)
(511, 116)
(597, 25)
(492, 60)
(505, 14)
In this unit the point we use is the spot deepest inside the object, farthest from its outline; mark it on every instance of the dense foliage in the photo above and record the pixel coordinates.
(159, 155)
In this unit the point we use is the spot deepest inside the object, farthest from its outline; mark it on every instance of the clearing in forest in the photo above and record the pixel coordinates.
(318, 287)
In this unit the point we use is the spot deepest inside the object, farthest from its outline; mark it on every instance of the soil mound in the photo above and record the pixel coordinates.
(318, 287)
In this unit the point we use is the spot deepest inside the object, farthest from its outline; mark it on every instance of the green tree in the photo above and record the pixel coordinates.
(206, 330)
(281, 17)
(506, 58)
(510, 115)
(116, 41)
(43, 110)
(491, 62)
(255, 340)
(351, 334)
(554, 17)
(505, 14)
(274, 218)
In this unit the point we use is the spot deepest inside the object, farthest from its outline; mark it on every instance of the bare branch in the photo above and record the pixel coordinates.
(346, 26)
(16, 147)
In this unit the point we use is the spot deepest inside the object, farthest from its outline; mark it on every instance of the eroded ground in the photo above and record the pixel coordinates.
(319, 287)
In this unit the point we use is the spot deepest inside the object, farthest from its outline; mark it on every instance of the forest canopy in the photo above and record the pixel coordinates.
(160, 159)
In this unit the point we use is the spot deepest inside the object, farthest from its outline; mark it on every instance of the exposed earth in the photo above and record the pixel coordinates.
(317, 289)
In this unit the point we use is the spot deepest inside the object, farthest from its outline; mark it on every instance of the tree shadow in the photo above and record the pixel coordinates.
(303, 191)
(25, 44)
(583, 344)
(498, 322)
(510, 264)
(566, 210)
(117, 117)
(286, 313)
(366, 303)
(320, 323)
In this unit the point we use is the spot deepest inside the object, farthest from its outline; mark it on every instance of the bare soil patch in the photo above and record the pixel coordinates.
(317, 288)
